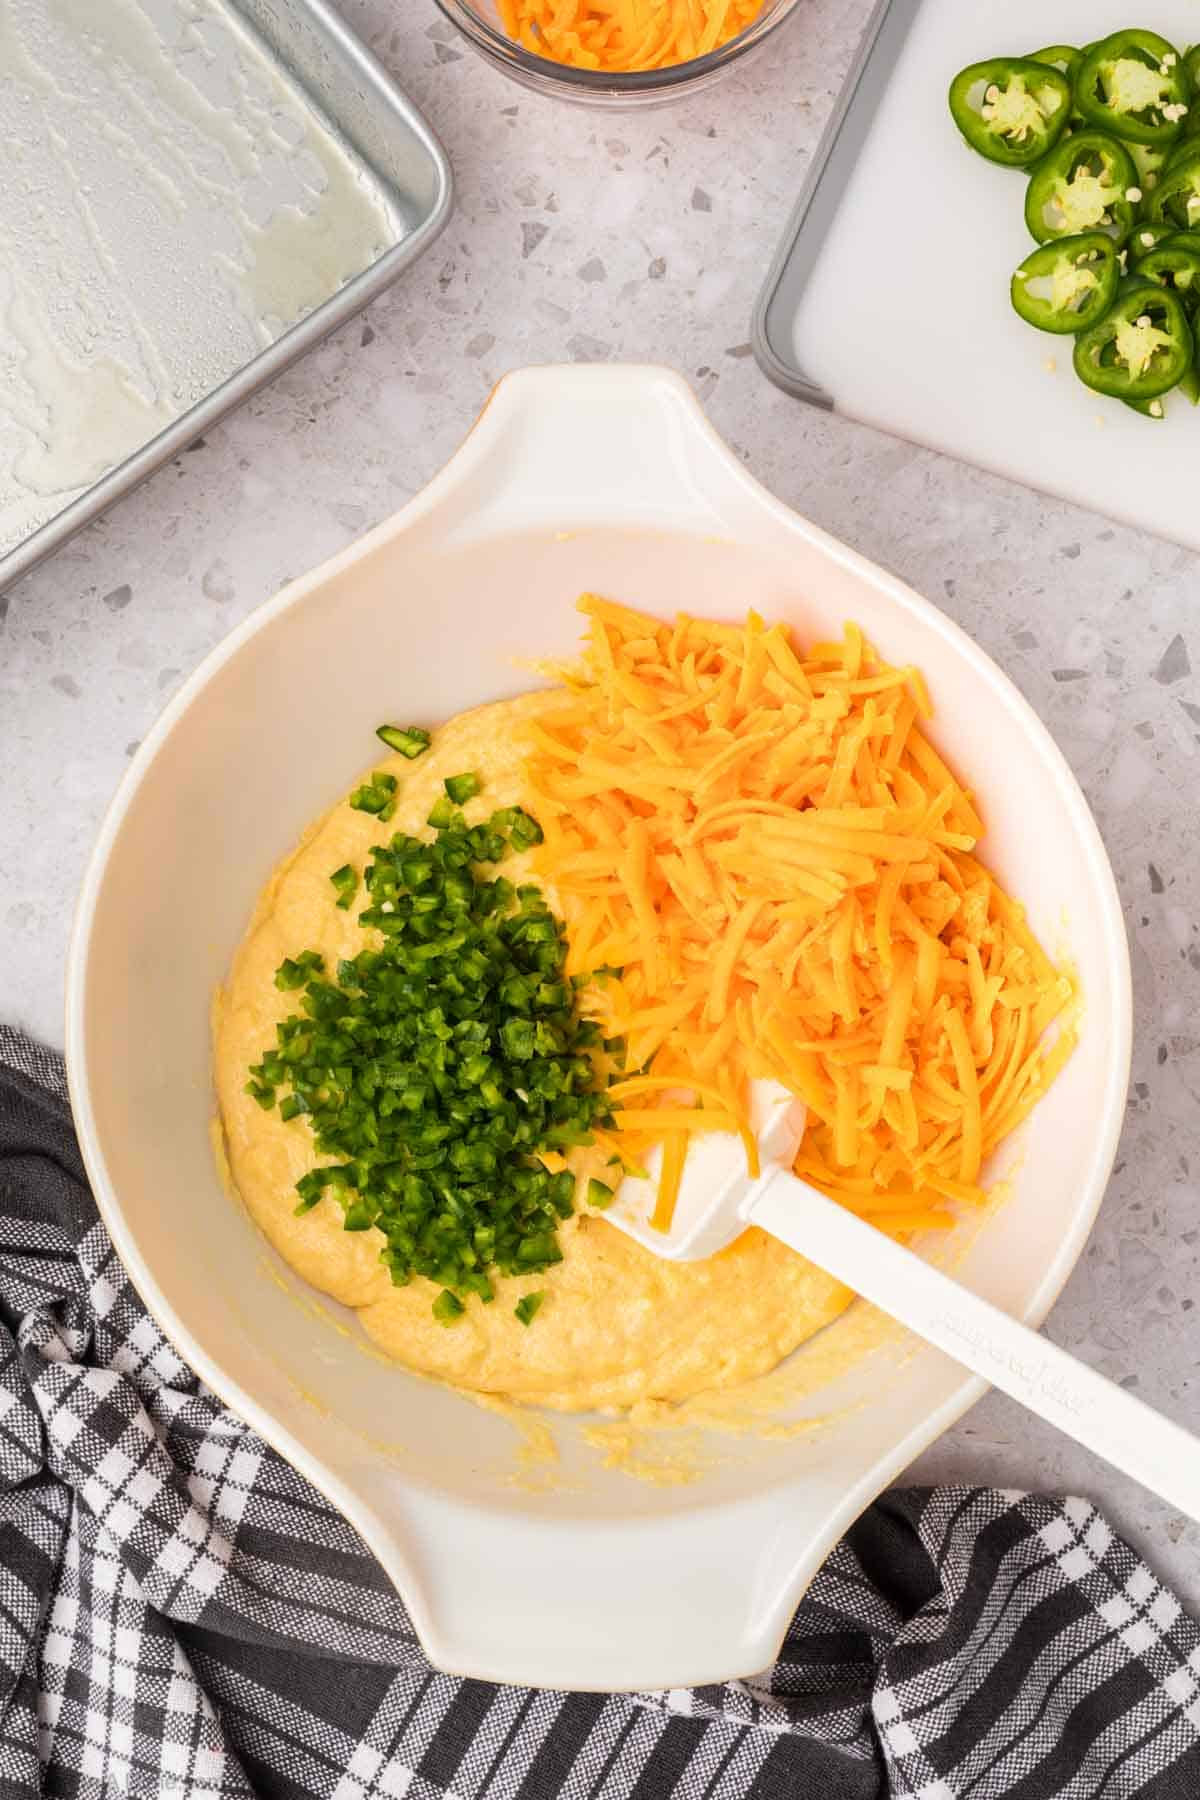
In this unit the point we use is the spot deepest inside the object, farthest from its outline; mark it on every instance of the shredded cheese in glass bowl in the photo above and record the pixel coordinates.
(616, 53)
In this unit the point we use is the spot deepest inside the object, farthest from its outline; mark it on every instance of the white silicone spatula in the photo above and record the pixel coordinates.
(718, 1200)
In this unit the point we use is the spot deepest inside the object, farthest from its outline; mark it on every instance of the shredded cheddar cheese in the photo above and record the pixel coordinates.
(622, 36)
(767, 869)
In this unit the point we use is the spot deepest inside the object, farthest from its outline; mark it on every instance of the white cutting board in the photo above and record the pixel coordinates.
(906, 319)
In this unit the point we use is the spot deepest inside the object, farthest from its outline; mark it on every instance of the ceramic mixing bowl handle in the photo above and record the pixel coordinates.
(562, 1597)
(583, 442)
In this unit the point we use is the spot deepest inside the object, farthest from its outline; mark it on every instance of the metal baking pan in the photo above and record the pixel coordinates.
(832, 165)
(195, 192)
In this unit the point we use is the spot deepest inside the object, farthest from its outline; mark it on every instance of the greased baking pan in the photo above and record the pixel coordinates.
(194, 193)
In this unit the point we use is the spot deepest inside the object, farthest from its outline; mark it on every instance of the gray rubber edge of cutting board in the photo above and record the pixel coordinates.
(821, 195)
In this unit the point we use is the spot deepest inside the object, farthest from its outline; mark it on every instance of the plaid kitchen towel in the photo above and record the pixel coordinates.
(182, 1615)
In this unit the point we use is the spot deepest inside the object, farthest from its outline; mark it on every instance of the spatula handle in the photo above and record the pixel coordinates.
(1095, 1411)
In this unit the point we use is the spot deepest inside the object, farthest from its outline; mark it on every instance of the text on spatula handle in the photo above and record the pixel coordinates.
(1037, 1376)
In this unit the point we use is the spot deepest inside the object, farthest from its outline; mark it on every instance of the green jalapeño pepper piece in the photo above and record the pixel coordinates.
(1149, 164)
(1012, 109)
(1189, 389)
(1068, 284)
(1134, 83)
(1176, 199)
(1138, 350)
(1175, 265)
(1191, 67)
(1146, 235)
(1083, 185)
(1177, 155)
(1063, 57)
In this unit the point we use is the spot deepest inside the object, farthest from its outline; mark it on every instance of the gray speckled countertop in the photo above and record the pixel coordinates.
(592, 236)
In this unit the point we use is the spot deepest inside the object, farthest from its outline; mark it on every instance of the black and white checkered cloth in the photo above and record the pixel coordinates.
(182, 1615)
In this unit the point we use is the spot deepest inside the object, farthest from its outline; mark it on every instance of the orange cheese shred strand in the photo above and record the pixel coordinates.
(644, 1084)
(780, 867)
(674, 1157)
(1044, 1071)
(898, 1008)
(652, 1121)
(715, 1046)
(727, 957)
(929, 957)
(845, 1124)
(971, 1153)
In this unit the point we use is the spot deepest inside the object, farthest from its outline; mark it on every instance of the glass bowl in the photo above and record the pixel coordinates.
(479, 22)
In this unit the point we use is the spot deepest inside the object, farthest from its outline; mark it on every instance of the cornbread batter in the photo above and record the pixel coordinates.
(618, 1325)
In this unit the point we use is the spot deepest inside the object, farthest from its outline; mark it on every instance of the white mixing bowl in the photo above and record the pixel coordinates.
(589, 477)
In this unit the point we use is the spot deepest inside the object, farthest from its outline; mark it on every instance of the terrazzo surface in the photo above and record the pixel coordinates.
(580, 236)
